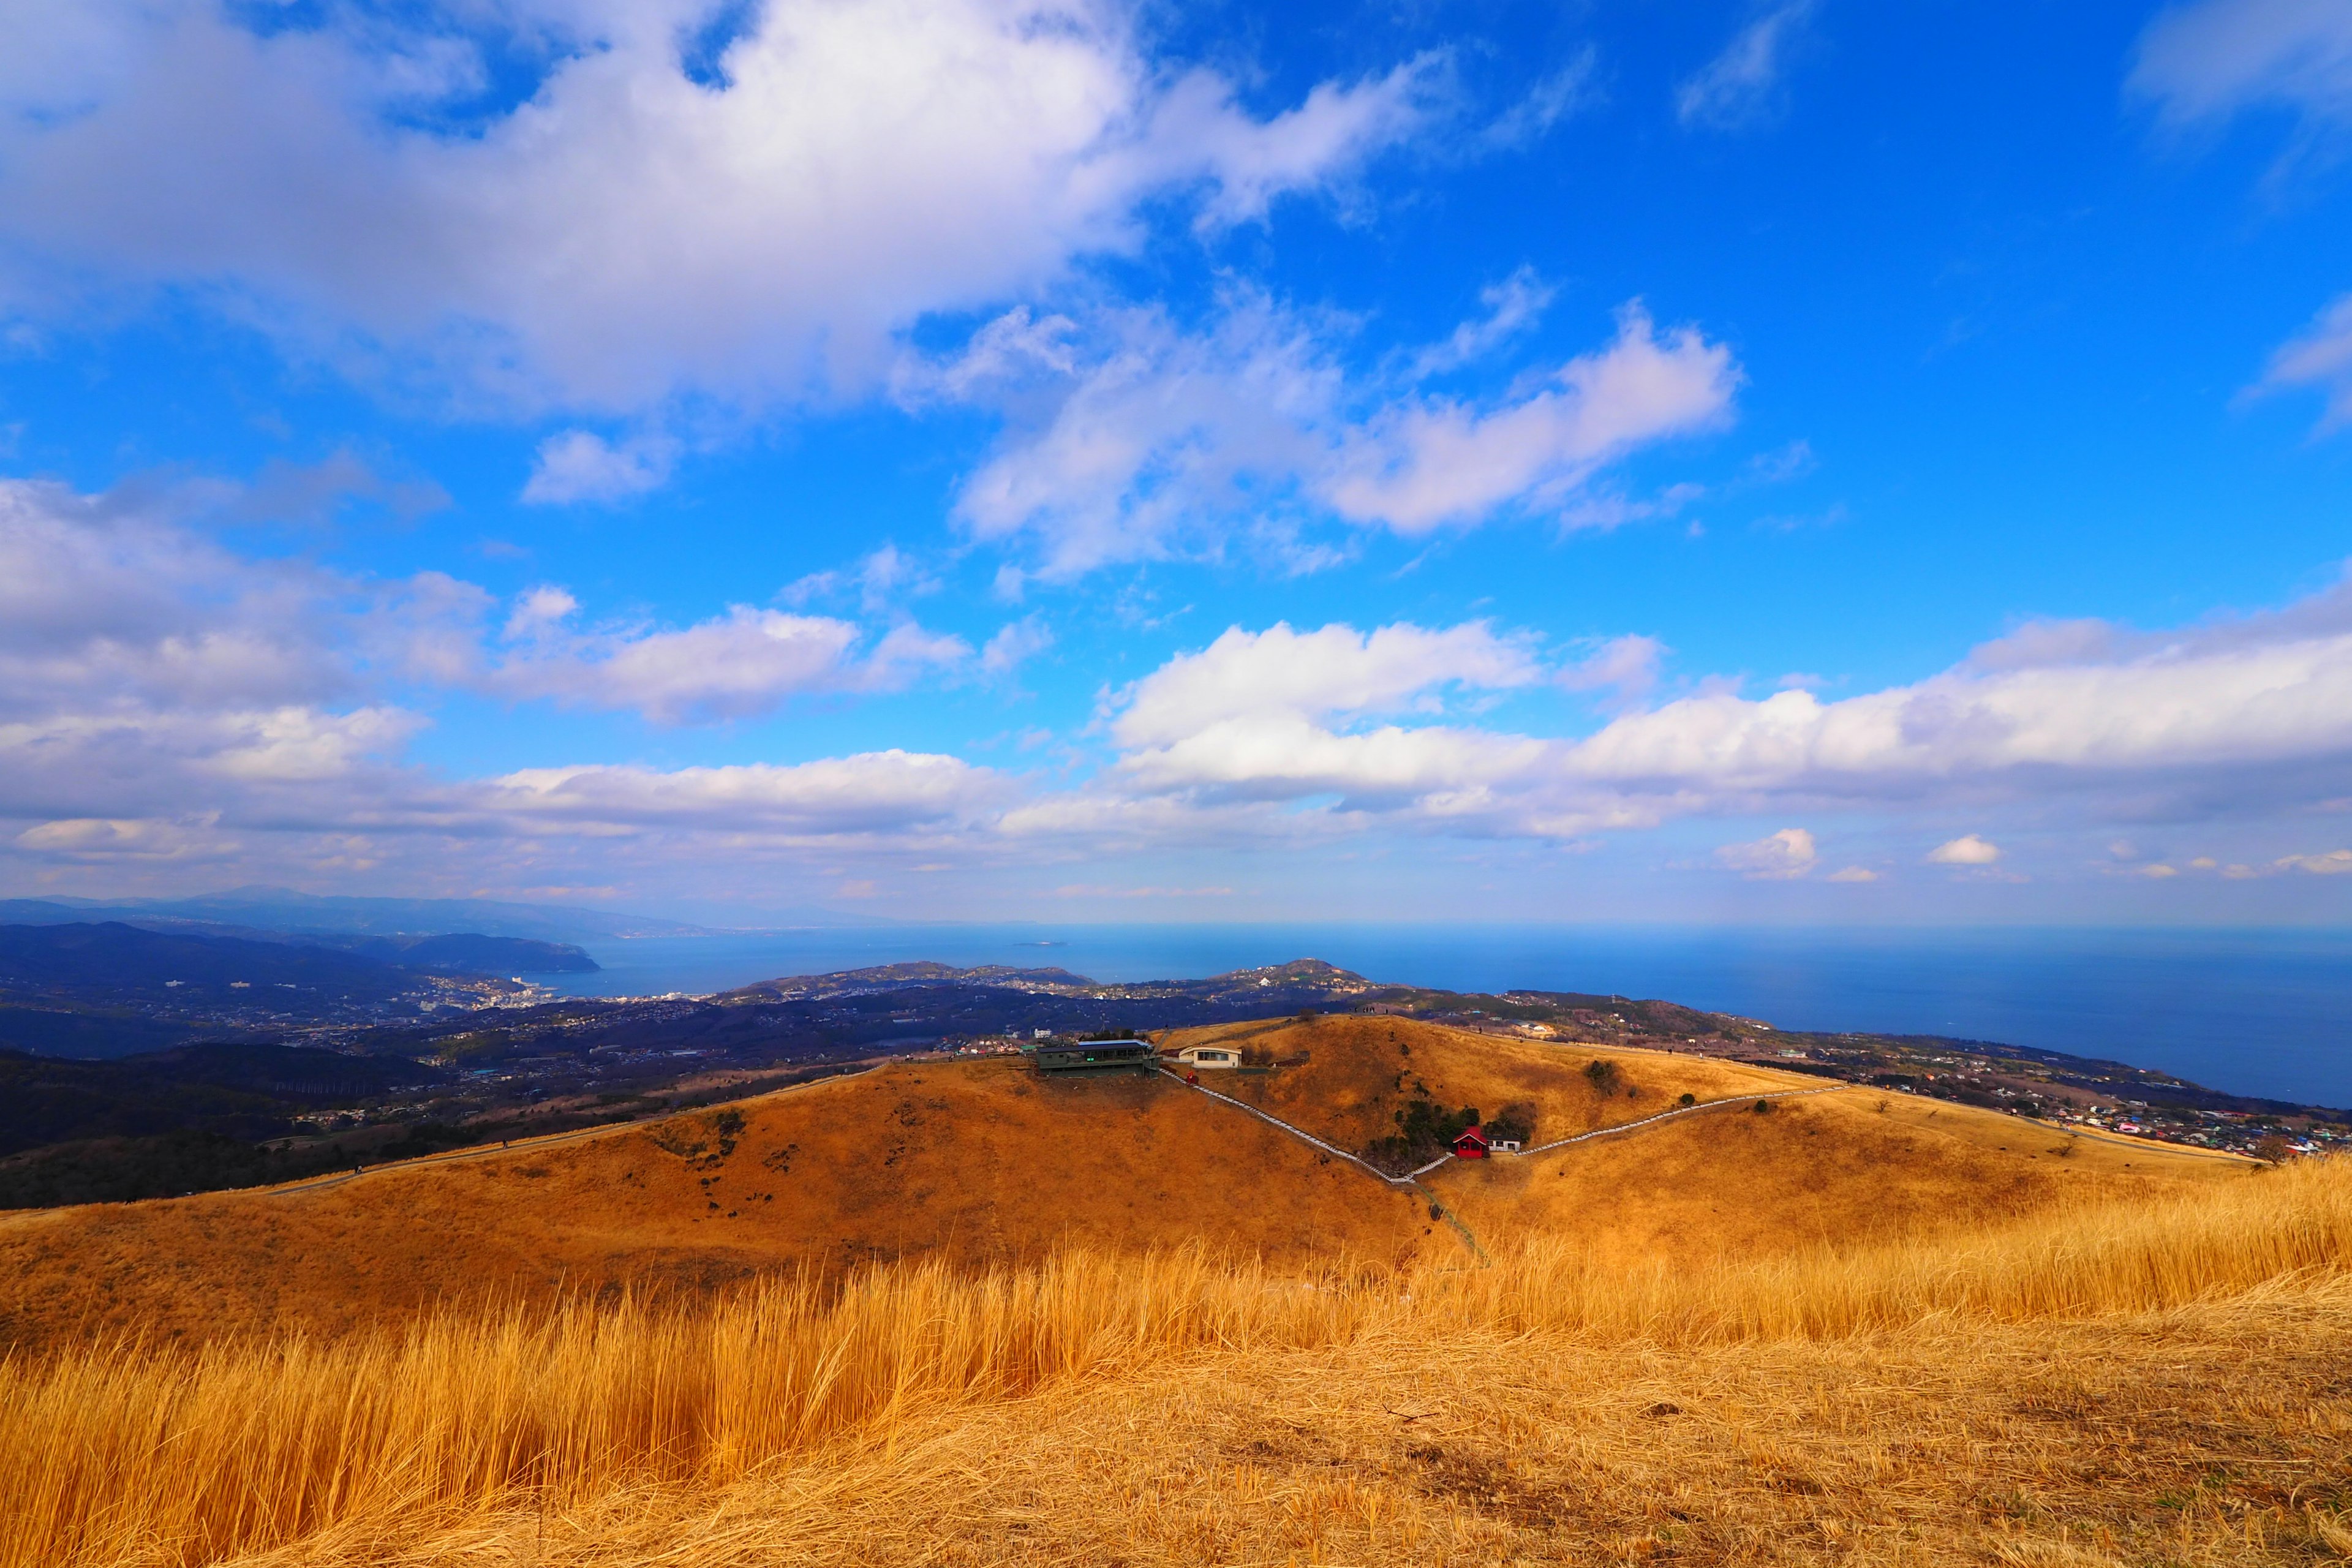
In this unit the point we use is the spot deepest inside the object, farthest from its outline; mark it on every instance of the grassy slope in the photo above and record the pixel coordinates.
(1834, 1167)
(978, 1161)
(986, 1162)
(2004, 1355)
(2136, 1382)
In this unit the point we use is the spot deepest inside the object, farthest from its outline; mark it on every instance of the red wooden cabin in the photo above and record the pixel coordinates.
(1470, 1143)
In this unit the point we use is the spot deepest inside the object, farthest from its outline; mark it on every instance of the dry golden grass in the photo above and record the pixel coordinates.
(977, 1164)
(2140, 1380)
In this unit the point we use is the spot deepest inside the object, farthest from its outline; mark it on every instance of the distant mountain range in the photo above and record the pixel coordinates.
(104, 988)
(277, 913)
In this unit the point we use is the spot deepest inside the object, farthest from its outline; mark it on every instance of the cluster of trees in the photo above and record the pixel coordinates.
(1424, 1130)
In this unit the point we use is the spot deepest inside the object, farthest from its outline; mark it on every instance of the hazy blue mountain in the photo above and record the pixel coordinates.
(279, 910)
(111, 961)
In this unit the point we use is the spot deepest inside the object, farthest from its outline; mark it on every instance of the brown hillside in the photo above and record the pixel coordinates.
(986, 1162)
(1846, 1166)
(1829, 1168)
(1358, 1071)
(979, 1162)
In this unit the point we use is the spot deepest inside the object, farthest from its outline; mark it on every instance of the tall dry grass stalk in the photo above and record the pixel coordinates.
(2084, 1261)
(118, 1454)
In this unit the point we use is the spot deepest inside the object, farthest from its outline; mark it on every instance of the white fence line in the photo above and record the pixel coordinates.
(1309, 1137)
(1670, 1115)
(1411, 1176)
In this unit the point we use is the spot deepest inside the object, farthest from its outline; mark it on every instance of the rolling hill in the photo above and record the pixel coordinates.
(981, 1162)
(954, 1312)
(1849, 1165)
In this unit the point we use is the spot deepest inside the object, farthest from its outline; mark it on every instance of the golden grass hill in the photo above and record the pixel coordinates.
(1202, 1310)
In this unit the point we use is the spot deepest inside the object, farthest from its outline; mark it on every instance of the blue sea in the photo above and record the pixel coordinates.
(2253, 1012)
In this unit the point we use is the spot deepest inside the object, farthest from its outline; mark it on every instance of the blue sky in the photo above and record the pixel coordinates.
(986, 458)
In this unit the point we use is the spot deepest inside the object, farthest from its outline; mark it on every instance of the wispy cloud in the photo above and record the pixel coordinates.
(2318, 358)
(1743, 85)
(2212, 59)
(1131, 438)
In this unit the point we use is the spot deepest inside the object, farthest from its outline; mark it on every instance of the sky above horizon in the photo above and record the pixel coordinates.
(1097, 459)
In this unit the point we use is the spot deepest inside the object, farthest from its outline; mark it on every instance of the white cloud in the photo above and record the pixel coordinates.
(1132, 439)
(740, 664)
(2333, 863)
(2240, 703)
(1852, 874)
(1248, 717)
(1741, 85)
(732, 666)
(1333, 670)
(2320, 357)
(870, 793)
(625, 234)
(1967, 850)
(580, 466)
(111, 599)
(1777, 856)
(1422, 465)
(2233, 718)
(2212, 59)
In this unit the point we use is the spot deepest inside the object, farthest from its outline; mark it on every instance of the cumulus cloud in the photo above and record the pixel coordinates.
(2213, 58)
(1780, 856)
(161, 698)
(1742, 85)
(1966, 851)
(1251, 716)
(1131, 439)
(1335, 669)
(627, 232)
(2235, 716)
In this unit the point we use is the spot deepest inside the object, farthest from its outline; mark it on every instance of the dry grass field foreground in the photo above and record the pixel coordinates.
(2116, 1380)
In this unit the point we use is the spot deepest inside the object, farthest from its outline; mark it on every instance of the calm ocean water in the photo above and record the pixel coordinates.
(2255, 1011)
